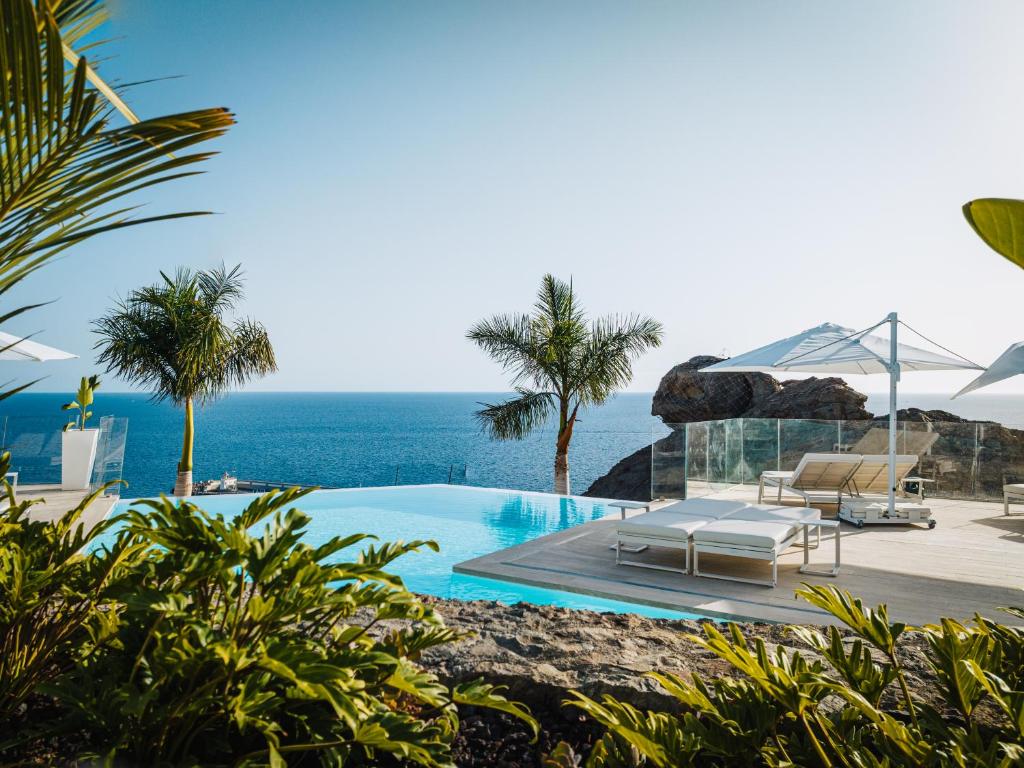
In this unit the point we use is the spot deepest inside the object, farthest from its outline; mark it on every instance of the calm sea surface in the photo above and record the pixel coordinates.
(355, 439)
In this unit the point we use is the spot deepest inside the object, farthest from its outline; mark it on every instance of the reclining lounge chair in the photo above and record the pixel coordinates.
(819, 478)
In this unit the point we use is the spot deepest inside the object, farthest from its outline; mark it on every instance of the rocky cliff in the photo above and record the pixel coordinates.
(968, 462)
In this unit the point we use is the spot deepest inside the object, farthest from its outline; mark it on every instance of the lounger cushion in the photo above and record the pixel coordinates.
(765, 513)
(744, 533)
(710, 508)
(663, 525)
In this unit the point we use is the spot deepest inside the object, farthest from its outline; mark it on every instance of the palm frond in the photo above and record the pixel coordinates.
(606, 363)
(63, 167)
(174, 339)
(511, 342)
(515, 419)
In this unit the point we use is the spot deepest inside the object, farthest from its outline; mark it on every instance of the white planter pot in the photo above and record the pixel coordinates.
(78, 453)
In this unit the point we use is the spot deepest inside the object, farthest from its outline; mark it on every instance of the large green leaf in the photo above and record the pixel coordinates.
(1000, 223)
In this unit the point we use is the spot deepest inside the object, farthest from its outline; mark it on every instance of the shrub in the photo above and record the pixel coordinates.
(783, 708)
(242, 647)
(52, 596)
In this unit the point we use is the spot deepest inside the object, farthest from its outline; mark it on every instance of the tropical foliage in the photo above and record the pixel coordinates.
(177, 339)
(189, 638)
(51, 595)
(847, 705)
(1000, 223)
(84, 399)
(560, 362)
(65, 168)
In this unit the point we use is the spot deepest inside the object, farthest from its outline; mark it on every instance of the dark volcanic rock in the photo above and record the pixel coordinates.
(814, 398)
(685, 394)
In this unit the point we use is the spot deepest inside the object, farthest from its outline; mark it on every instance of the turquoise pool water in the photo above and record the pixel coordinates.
(466, 523)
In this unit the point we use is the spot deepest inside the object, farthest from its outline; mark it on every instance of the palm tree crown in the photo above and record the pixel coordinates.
(559, 362)
(176, 339)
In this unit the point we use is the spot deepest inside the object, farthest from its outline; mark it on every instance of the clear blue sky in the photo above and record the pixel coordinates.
(741, 171)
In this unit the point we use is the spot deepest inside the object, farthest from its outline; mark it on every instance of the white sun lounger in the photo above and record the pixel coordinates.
(818, 478)
(723, 527)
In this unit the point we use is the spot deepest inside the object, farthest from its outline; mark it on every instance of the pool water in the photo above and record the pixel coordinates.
(465, 522)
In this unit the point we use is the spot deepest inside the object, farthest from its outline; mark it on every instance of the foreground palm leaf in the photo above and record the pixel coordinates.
(64, 169)
(559, 363)
(176, 339)
(1000, 223)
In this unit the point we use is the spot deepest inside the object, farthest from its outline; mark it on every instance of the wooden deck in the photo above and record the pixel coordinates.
(971, 562)
(56, 502)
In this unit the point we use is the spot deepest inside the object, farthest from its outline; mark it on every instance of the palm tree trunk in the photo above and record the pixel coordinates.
(566, 423)
(183, 484)
(562, 473)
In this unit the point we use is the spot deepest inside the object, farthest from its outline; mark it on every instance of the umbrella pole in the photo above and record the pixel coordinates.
(894, 377)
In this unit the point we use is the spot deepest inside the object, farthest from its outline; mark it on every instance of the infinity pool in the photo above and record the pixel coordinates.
(465, 522)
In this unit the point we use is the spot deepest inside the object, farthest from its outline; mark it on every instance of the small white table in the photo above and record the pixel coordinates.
(819, 524)
(622, 506)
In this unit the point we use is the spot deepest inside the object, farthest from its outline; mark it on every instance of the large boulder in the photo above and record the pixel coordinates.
(686, 394)
(814, 398)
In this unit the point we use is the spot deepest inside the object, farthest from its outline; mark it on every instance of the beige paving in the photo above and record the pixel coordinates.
(53, 503)
(973, 561)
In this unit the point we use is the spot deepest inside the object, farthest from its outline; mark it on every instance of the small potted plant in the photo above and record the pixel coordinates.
(78, 444)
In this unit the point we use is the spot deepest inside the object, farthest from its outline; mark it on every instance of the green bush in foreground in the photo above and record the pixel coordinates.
(51, 595)
(782, 709)
(222, 646)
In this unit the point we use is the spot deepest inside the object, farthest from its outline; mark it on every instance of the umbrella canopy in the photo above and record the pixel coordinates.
(1008, 364)
(831, 348)
(17, 348)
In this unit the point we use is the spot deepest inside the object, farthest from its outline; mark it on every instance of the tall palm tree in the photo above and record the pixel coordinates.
(176, 338)
(559, 363)
(65, 167)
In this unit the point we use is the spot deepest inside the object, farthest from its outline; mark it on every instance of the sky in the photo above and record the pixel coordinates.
(738, 170)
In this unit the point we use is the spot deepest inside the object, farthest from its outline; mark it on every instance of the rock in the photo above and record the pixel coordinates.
(813, 398)
(686, 395)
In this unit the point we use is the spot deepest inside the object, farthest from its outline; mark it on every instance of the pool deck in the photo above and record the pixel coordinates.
(971, 562)
(55, 502)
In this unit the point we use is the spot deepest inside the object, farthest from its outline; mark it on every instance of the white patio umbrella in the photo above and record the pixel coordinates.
(18, 348)
(831, 348)
(1008, 364)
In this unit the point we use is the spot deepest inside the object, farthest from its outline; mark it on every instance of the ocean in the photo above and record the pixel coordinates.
(368, 439)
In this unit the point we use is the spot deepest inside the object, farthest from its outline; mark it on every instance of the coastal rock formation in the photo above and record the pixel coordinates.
(685, 394)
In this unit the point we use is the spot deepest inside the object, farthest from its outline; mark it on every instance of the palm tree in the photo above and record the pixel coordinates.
(65, 169)
(176, 339)
(559, 363)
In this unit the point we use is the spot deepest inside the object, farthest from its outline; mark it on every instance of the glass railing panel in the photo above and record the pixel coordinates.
(760, 448)
(800, 436)
(109, 464)
(948, 456)
(668, 460)
(35, 446)
(1000, 459)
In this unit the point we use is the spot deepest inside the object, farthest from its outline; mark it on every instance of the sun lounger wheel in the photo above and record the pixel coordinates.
(931, 524)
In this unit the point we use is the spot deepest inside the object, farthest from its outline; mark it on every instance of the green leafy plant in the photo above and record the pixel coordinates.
(66, 168)
(177, 339)
(1000, 223)
(782, 708)
(560, 362)
(82, 402)
(52, 595)
(238, 644)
